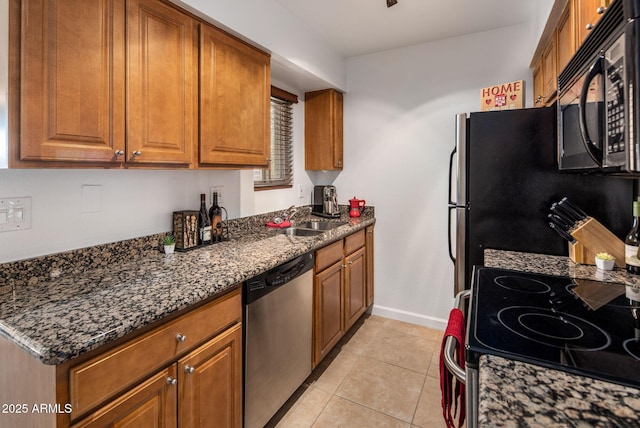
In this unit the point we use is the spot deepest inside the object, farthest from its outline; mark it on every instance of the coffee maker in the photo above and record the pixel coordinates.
(325, 202)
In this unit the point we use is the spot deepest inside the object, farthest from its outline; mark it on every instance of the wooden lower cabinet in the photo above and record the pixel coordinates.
(369, 261)
(150, 404)
(210, 383)
(183, 372)
(340, 291)
(203, 389)
(328, 307)
(355, 286)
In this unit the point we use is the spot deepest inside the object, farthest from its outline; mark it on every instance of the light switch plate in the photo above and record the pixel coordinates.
(16, 213)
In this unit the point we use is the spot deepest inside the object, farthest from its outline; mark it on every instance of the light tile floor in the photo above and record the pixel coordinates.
(384, 373)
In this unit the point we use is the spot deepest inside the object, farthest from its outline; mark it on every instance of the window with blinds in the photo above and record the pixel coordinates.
(280, 171)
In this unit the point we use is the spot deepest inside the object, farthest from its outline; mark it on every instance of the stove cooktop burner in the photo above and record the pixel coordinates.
(555, 329)
(632, 346)
(538, 319)
(522, 284)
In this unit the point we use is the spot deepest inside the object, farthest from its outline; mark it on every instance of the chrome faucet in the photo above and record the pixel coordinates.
(288, 214)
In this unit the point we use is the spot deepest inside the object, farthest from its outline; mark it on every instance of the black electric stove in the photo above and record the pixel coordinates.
(579, 326)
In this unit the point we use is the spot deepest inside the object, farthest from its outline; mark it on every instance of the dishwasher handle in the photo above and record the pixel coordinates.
(451, 342)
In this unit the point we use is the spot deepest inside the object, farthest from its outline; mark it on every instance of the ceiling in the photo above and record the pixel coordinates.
(357, 27)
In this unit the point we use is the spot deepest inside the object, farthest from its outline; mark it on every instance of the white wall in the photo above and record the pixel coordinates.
(399, 131)
(133, 204)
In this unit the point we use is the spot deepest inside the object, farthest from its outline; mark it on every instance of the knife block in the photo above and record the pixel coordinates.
(593, 238)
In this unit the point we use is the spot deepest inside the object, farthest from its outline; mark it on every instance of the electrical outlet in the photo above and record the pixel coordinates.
(218, 189)
(300, 191)
(15, 213)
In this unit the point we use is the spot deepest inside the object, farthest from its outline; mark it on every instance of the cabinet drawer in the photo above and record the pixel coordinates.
(100, 378)
(353, 242)
(328, 255)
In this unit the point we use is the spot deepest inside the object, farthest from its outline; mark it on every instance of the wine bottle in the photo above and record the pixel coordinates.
(632, 242)
(215, 215)
(204, 223)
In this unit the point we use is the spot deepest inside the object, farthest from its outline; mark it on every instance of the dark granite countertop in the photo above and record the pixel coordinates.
(513, 393)
(555, 265)
(60, 306)
(516, 394)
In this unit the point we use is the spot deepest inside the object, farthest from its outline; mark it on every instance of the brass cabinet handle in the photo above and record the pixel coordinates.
(172, 381)
(136, 153)
(119, 152)
(180, 337)
(189, 369)
(600, 10)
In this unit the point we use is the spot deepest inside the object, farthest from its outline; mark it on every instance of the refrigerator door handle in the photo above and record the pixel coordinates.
(449, 241)
(451, 158)
(461, 149)
(460, 273)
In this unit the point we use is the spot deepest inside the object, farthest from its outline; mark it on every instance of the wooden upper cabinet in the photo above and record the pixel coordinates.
(549, 71)
(235, 96)
(566, 29)
(77, 96)
(588, 14)
(162, 85)
(538, 85)
(566, 37)
(323, 130)
(72, 80)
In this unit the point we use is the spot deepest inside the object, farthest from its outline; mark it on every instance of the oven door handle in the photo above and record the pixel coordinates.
(451, 342)
(594, 151)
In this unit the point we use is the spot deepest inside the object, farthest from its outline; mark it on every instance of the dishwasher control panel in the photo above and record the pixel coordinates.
(264, 283)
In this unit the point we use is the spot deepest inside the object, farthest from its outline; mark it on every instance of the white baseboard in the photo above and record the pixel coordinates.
(411, 317)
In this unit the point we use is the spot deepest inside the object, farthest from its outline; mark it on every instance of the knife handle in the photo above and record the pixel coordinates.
(562, 233)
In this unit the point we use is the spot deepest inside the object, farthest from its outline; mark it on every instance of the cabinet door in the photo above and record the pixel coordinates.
(538, 85)
(72, 80)
(150, 404)
(337, 129)
(369, 257)
(210, 383)
(328, 302)
(323, 132)
(235, 95)
(549, 71)
(355, 289)
(566, 37)
(588, 15)
(162, 86)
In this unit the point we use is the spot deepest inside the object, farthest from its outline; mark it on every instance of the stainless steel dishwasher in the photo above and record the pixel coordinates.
(277, 339)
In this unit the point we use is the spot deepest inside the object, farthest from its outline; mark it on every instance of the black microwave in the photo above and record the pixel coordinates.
(598, 96)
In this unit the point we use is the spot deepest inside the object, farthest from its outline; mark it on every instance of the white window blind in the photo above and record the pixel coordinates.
(280, 171)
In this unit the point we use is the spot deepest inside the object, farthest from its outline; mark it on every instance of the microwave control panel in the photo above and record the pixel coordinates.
(615, 104)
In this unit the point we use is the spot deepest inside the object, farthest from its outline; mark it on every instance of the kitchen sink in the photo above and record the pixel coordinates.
(297, 231)
(319, 225)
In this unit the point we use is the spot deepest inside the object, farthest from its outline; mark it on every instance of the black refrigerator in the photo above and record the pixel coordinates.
(503, 178)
